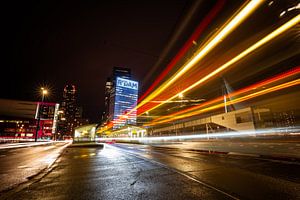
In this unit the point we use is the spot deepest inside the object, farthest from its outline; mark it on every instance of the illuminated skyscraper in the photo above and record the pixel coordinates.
(126, 96)
(121, 94)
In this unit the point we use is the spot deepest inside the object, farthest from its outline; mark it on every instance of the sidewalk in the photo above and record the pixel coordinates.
(272, 149)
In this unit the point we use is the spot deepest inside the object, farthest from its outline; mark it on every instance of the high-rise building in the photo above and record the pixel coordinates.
(121, 72)
(70, 113)
(108, 88)
(121, 94)
(126, 96)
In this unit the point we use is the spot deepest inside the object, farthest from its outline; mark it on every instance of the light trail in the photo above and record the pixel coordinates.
(227, 28)
(294, 21)
(28, 144)
(251, 133)
(263, 83)
(180, 101)
(238, 100)
(244, 13)
(201, 27)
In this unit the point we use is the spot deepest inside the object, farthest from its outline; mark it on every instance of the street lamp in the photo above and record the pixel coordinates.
(44, 92)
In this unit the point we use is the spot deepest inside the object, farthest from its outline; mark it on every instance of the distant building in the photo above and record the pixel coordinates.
(107, 93)
(70, 114)
(19, 118)
(85, 132)
(121, 94)
(121, 73)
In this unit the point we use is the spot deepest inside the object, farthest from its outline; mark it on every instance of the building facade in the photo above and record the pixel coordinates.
(126, 96)
(70, 114)
(18, 119)
(121, 95)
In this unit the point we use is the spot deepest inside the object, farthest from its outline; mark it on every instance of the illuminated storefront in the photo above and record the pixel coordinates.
(19, 119)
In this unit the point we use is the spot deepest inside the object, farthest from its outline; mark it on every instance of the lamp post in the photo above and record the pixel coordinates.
(44, 92)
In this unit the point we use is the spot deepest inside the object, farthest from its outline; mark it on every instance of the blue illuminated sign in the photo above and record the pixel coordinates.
(127, 83)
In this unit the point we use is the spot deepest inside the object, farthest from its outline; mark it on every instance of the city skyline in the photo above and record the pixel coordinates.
(188, 99)
(83, 51)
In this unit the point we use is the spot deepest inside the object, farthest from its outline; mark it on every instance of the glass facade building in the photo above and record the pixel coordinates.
(125, 100)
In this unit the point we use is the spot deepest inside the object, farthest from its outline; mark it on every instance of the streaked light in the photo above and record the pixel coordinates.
(238, 100)
(234, 94)
(294, 21)
(225, 31)
(191, 41)
(251, 133)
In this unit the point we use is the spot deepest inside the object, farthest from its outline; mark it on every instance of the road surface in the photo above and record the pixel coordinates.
(127, 171)
(17, 165)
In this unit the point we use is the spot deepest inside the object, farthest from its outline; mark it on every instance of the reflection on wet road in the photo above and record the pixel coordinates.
(247, 177)
(143, 172)
(19, 164)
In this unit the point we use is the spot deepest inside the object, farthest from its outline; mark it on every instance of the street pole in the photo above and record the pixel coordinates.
(39, 115)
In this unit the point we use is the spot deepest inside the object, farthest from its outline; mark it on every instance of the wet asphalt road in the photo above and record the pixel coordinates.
(124, 171)
(19, 164)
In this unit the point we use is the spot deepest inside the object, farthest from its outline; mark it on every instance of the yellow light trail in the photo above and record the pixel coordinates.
(294, 21)
(225, 31)
(238, 100)
(243, 91)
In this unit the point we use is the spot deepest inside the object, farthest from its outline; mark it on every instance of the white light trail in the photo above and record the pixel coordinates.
(272, 131)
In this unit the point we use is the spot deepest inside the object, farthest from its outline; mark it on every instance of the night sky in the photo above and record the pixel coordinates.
(55, 43)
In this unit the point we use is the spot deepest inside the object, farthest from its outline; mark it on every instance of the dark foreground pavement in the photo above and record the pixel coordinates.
(96, 173)
(145, 172)
(17, 165)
